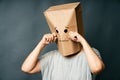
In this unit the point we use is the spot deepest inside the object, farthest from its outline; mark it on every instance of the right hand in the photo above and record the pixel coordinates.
(49, 38)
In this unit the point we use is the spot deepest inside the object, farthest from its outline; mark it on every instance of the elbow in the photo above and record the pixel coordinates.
(98, 69)
(25, 70)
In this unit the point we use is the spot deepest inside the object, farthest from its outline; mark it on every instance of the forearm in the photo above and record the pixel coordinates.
(95, 63)
(32, 58)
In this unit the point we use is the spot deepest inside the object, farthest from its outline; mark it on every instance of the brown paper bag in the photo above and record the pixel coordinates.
(62, 19)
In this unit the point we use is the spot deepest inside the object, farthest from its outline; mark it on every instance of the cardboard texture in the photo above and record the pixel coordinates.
(62, 19)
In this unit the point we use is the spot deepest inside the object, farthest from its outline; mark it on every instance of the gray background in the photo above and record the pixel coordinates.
(22, 25)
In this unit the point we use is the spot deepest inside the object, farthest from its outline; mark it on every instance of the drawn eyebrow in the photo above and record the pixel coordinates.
(66, 27)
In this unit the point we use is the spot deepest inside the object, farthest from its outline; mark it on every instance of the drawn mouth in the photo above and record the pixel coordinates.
(63, 40)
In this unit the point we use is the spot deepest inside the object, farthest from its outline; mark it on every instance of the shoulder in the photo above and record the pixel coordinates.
(46, 59)
(49, 54)
(97, 51)
(94, 49)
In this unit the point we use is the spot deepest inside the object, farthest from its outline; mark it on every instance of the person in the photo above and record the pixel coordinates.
(55, 66)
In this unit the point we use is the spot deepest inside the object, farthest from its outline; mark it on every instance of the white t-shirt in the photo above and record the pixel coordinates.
(54, 66)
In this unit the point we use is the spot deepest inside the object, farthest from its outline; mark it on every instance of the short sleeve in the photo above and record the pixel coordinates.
(97, 52)
(44, 61)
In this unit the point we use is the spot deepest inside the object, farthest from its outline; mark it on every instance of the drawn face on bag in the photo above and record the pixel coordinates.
(63, 33)
(62, 19)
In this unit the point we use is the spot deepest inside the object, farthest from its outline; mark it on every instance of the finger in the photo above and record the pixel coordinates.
(55, 38)
(75, 38)
(72, 36)
(48, 37)
(54, 34)
(45, 37)
(70, 31)
(51, 38)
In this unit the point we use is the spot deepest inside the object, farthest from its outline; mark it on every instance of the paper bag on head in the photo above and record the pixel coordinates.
(62, 19)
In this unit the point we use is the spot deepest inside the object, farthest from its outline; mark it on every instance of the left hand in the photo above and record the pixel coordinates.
(75, 36)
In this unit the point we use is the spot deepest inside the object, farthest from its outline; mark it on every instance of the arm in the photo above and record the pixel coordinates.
(95, 63)
(31, 63)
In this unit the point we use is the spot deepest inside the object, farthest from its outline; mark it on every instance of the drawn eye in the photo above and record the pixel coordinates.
(65, 30)
(57, 31)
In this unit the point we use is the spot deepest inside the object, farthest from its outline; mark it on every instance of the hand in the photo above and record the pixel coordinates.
(49, 38)
(75, 36)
